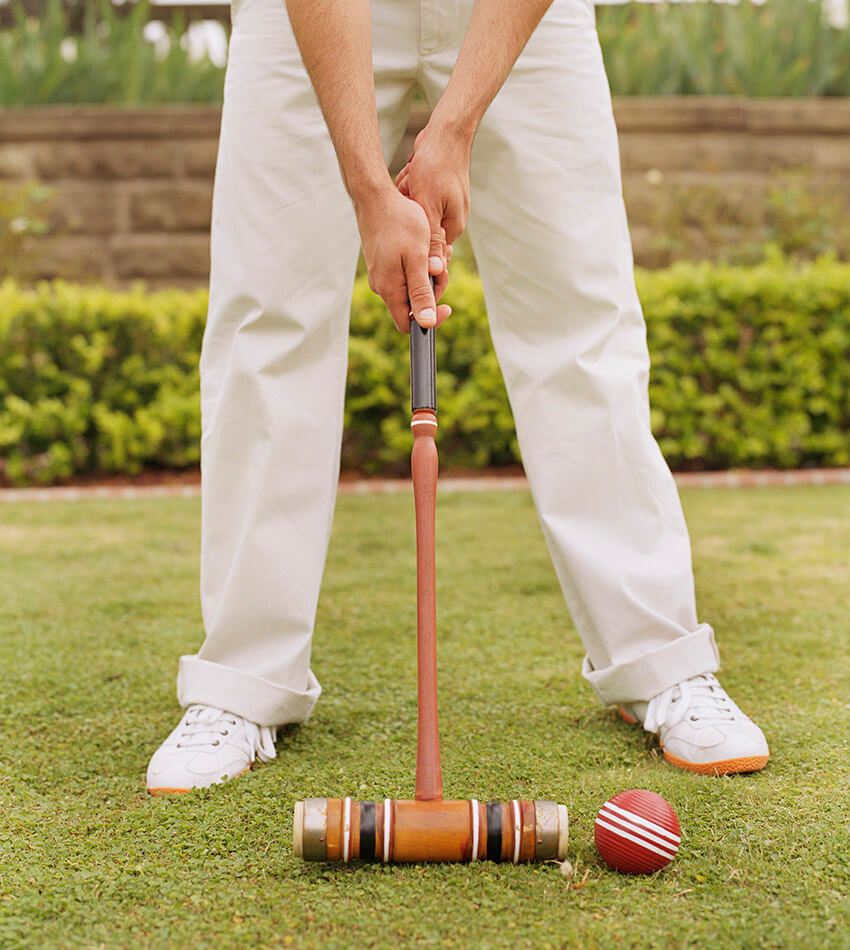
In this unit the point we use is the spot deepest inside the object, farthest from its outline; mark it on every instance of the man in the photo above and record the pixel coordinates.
(522, 139)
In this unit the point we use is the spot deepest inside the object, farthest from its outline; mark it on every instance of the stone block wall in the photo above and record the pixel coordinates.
(132, 188)
(700, 171)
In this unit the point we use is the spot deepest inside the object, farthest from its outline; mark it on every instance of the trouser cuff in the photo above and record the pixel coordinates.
(640, 679)
(252, 697)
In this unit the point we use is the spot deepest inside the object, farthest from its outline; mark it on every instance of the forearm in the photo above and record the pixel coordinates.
(497, 33)
(335, 40)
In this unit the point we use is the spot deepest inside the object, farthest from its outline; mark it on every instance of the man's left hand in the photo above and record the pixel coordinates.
(436, 177)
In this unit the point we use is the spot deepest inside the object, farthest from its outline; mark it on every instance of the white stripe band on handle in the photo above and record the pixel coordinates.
(386, 830)
(424, 422)
(517, 830)
(636, 828)
(644, 844)
(476, 829)
(638, 820)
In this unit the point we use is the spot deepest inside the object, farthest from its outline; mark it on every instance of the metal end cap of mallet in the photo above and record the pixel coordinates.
(310, 829)
(298, 830)
(551, 831)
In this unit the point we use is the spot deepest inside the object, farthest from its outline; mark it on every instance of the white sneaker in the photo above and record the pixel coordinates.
(208, 746)
(700, 729)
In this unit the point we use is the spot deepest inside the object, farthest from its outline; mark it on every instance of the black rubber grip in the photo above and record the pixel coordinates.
(423, 367)
(494, 831)
(367, 830)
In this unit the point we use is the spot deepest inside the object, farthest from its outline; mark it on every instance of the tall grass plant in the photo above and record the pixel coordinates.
(109, 60)
(779, 48)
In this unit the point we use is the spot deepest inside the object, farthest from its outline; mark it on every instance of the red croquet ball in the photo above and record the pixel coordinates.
(637, 832)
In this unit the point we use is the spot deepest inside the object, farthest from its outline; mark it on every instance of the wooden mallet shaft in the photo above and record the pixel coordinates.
(429, 776)
(423, 467)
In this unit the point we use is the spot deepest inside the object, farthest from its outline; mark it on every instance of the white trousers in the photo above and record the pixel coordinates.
(549, 231)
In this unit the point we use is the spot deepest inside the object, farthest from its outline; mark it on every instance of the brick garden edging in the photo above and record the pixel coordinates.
(741, 478)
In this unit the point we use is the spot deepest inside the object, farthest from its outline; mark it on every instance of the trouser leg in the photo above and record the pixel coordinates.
(284, 249)
(549, 230)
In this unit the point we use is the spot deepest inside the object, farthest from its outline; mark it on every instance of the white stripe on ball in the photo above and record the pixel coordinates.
(644, 844)
(632, 826)
(653, 826)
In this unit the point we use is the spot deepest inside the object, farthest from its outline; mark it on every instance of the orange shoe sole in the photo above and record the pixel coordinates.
(750, 763)
(183, 791)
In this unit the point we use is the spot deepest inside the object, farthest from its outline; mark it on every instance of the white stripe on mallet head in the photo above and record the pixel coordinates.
(517, 830)
(476, 828)
(346, 829)
(386, 830)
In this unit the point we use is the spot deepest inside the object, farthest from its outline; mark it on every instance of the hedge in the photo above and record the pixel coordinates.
(750, 368)
(96, 381)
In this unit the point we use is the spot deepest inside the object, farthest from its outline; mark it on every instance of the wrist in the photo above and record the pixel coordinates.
(371, 189)
(452, 123)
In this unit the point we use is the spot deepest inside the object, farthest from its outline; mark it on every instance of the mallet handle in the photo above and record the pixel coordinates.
(424, 464)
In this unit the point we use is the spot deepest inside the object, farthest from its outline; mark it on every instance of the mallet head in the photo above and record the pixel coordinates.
(340, 829)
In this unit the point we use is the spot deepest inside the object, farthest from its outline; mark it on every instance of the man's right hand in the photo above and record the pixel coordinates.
(335, 40)
(395, 235)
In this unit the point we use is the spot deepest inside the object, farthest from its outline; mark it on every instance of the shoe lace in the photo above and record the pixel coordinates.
(700, 698)
(205, 726)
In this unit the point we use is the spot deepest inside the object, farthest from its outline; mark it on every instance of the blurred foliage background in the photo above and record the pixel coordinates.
(104, 55)
(777, 48)
(750, 347)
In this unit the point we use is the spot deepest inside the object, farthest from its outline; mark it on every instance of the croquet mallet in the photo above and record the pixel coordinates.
(428, 828)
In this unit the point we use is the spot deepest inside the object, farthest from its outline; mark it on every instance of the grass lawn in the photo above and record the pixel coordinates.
(97, 600)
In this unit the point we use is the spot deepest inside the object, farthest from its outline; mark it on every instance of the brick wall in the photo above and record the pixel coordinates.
(132, 188)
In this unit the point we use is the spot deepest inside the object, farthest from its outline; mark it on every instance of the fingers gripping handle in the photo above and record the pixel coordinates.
(423, 367)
